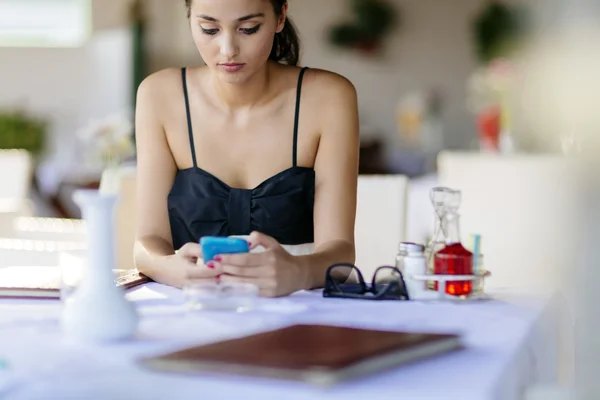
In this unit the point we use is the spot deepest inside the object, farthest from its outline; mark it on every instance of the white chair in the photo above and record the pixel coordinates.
(525, 207)
(420, 214)
(521, 205)
(15, 181)
(17, 172)
(24, 239)
(380, 220)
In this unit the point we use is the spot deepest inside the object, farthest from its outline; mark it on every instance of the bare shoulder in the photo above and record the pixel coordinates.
(332, 99)
(154, 94)
(328, 85)
(159, 83)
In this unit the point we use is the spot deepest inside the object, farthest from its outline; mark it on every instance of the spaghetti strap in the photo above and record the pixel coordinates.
(296, 117)
(189, 117)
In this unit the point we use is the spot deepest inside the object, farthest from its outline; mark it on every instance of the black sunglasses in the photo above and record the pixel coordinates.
(387, 283)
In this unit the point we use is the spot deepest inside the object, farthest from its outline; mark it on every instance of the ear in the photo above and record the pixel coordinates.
(282, 18)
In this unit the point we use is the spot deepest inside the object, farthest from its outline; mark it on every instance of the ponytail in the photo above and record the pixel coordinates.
(286, 45)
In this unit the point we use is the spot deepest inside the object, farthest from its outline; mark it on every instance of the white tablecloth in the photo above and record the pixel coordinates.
(508, 346)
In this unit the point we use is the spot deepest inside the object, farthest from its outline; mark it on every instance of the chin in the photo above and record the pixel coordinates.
(232, 78)
(235, 77)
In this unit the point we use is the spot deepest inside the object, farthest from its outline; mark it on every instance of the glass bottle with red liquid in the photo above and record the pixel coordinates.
(443, 200)
(454, 259)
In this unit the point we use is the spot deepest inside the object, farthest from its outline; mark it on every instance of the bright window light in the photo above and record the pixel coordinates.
(44, 23)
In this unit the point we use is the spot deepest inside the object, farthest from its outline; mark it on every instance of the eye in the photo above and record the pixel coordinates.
(250, 31)
(209, 31)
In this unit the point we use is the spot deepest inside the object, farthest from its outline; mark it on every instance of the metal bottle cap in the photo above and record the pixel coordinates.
(415, 248)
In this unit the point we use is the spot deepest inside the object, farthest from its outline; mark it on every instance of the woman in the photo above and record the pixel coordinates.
(248, 144)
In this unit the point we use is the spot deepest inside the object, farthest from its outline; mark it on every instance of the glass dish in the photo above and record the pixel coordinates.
(220, 296)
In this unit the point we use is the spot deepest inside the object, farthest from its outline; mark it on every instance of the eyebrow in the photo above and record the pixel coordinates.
(241, 19)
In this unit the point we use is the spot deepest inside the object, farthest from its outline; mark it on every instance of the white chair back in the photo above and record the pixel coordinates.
(17, 170)
(420, 214)
(520, 205)
(15, 181)
(380, 220)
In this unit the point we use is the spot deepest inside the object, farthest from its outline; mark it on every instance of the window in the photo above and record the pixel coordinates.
(44, 23)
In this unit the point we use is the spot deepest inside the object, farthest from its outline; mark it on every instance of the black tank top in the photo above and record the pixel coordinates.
(282, 206)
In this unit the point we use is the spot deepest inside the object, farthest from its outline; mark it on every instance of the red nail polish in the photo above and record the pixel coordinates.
(218, 258)
(249, 244)
(210, 265)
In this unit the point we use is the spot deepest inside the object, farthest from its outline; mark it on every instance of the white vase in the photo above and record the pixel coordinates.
(98, 310)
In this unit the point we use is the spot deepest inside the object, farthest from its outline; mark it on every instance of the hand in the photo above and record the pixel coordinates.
(275, 271)
(185, 263)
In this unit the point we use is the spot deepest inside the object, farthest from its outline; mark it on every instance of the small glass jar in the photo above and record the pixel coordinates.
(403, 250)
(400, 256)
(220, 296)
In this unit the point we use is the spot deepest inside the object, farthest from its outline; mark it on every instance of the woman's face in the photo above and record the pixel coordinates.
(234, 37)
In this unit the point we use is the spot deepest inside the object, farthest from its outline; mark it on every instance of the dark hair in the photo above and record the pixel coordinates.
(286, 45)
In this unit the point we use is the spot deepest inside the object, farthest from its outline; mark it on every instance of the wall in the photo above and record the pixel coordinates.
(70, 86)
(431, 49)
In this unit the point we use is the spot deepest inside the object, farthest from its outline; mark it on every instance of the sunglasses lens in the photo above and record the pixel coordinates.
(386, 276)
(341, 274)
(345, 278)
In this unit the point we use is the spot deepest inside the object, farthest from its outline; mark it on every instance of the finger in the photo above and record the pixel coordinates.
(190, 282)
(191, 250)
(210, 270)
(247, 272)
(264, 285)
(243, 259)
(260, 239)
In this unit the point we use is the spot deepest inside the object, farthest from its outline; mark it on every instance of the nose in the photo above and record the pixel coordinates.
(229, 46)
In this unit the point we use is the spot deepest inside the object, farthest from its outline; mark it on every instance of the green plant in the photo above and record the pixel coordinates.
(498, 30)
(373, 20)
(21, 131)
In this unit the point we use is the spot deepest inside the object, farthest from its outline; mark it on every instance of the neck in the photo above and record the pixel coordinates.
(237, 96)
(452, 229)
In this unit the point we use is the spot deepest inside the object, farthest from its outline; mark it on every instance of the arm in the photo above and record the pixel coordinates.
(156, 169)
(336, 168)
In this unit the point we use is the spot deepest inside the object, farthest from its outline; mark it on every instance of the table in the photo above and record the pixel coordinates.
(509, 345)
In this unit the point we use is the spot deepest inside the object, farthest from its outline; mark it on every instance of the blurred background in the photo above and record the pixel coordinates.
(497, 98)
(430, 75)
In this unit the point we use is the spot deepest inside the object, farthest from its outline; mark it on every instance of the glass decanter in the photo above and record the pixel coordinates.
(454, 258)
(444, 200)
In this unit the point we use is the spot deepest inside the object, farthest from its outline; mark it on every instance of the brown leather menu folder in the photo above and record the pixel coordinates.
(44, 282)
(318, 354)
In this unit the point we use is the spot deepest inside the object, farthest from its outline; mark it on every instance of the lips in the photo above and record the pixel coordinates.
(231, 67)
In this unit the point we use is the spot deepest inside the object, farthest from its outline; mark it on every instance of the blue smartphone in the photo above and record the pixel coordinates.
(213, 245)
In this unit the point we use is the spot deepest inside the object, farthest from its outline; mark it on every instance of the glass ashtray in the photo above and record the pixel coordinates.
(221, 296)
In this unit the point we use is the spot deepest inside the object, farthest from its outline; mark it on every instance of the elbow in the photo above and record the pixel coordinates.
(343, 250)
(143, 260)
(138, 258)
